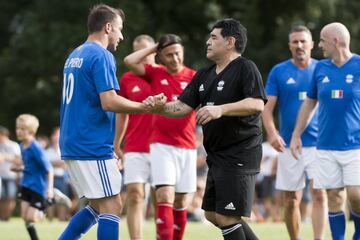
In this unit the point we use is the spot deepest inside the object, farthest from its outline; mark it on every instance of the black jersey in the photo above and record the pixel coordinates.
(229, 140)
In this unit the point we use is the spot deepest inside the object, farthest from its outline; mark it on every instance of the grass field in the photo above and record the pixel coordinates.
(15, 230)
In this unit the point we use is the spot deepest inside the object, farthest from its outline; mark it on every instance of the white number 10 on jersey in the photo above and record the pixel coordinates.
(68, 88)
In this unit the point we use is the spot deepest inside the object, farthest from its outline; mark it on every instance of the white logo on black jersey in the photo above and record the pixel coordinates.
(210, 104)
(230, 206)
(164, 82)
(135, 89)
(220, 85)
(349, 78)
(201, 88)
(325, 80)
(290, 81)
(183, 85)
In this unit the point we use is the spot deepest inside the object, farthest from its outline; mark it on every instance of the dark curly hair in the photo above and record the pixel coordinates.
(233, 28)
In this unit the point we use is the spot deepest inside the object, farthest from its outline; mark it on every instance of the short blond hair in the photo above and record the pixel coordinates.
(29, 121)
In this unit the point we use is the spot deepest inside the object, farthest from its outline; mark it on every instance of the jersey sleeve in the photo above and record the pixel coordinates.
(312, 91)
(271, 87)
(104, 73)
(190, 95)
(252, 86)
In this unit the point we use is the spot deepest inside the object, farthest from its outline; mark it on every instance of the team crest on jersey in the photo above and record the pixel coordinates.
(349, 78)
(220, 85)
(325, 80)
(135, 89)
(201, 88)
(183, 85)
(164, 82)
(290, 81)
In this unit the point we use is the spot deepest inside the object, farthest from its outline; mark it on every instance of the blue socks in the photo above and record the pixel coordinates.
(108, 228)
(80, 223)
(337, 225)
(356, 219)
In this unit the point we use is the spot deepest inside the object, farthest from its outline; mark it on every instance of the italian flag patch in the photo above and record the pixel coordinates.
(337, 94)
(302, 95)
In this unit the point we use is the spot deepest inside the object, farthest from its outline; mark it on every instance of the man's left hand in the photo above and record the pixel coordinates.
(208, 113)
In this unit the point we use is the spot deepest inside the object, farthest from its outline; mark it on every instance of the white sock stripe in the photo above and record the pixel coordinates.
(180, 209)
(165, 204)
(92, 211)
(354, 213)
(337, 214)
(111, 217)
(229, 230)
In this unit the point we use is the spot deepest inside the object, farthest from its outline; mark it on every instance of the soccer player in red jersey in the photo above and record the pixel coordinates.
(172, 142)
(136, 129)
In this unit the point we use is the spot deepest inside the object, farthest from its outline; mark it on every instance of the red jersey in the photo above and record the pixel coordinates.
(139, 128)
(178, 132)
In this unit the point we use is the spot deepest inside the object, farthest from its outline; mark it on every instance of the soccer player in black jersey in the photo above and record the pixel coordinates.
(230, 97)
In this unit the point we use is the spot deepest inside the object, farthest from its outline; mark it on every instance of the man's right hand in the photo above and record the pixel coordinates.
(277, 142)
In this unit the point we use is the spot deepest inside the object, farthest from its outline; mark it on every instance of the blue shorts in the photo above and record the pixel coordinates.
(8, 189)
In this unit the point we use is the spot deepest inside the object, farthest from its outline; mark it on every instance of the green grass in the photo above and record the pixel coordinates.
(15, 230)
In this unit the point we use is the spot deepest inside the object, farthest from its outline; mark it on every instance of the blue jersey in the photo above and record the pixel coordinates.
(289, 84)
(337, 90)
(37, 168)
(86, 130)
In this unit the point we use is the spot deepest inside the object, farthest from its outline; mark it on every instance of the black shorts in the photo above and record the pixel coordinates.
(268, 186)
(229, 193)
(36, 200)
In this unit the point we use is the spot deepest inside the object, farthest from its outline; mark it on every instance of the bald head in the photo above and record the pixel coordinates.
(337, 31)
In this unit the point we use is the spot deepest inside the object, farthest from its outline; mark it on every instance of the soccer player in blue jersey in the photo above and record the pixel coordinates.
(87, 124)
(335, 86)
(37, 181)
(287, 84)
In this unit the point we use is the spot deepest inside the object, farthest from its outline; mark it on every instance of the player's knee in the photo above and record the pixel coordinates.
(165, 196)
(354, 200)
(223, 220)
(135, 197)
(292, 203)
(319, 197)
(210, 216)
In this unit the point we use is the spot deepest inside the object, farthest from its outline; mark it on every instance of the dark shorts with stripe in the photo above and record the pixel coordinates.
(33, 198)
(229, 193)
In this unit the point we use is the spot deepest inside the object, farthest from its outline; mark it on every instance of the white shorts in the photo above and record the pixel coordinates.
(291, 173)
(173, 166)
(338, 169)
(137, 168)
(96, 178)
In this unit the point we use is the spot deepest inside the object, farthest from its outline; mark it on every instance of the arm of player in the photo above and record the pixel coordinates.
(175, 109)
(110, 101)
(303, 118)
(276, 141)
(134, 60)
(50, 188)
(121, 126)
(245, 107)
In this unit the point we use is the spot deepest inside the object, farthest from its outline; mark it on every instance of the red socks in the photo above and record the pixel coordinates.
(164, 221)
(180, 219)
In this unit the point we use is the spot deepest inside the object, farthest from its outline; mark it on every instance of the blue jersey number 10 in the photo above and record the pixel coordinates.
(68, 88)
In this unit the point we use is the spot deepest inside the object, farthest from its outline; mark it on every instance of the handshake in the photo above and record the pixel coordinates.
(155, 104)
